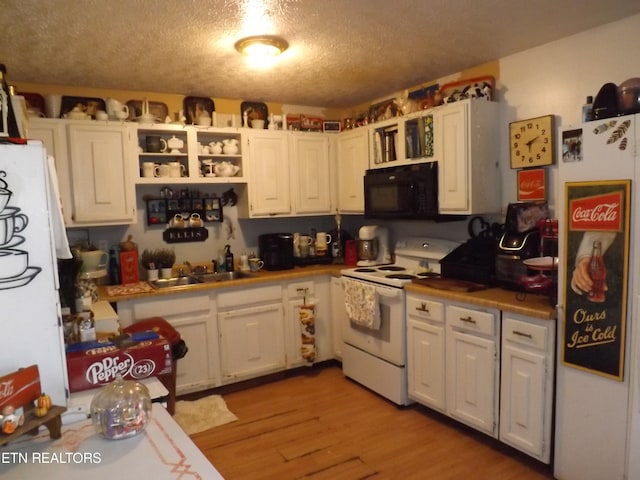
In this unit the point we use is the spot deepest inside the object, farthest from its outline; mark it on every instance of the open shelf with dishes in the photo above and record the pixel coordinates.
(178, 154)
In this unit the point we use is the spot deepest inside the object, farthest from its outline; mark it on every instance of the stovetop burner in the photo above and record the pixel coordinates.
(391, 268)
(365, 270)
(401, 276)
(428, 274)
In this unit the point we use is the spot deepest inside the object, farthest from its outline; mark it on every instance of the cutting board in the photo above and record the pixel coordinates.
(450, 284)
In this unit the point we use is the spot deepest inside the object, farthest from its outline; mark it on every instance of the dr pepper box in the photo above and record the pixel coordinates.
(133, 356)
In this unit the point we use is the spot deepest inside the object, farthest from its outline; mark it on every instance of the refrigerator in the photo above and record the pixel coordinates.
(30, 230)
(597, 409)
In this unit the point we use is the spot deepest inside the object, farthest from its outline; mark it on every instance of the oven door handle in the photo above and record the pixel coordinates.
(389, 292)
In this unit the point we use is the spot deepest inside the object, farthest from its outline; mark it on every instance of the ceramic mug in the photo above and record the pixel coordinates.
(150, 169)
(176, 169)
(156, 144)
(304, 241)
(163, 170)
(177, 221)
(244, 263)
(11, 222)
(255, 264)
(195, 220)
(322, 239)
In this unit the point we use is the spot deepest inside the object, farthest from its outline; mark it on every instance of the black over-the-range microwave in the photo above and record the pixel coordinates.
(407, 192)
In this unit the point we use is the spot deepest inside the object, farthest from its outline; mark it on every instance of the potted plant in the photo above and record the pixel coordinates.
(166, 258)
(149, 260)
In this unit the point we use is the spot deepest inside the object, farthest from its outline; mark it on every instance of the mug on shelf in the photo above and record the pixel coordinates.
(156, 144)
(177, 221)
(150, 169)
(195, 220)
(176, 169)
(163, 170)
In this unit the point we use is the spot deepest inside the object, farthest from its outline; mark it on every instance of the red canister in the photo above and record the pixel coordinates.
(350, 253)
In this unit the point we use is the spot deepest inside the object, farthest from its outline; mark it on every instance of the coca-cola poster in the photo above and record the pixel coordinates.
(596, 253)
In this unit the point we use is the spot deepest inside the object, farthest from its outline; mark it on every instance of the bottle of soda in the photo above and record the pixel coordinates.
(597, 272)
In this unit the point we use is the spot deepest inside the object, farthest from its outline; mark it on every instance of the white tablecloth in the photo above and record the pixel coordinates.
(162, 452)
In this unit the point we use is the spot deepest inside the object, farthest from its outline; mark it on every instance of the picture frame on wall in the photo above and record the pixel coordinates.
(532, 184)
(596, 243)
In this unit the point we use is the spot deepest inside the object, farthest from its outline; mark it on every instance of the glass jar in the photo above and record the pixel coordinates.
(121, 409)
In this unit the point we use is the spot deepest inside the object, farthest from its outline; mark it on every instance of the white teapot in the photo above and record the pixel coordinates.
(175, 144)
(116, 110)
(225, 169)
(230, 146)
(215, 148)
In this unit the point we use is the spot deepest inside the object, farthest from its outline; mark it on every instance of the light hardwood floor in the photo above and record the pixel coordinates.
(318, 424)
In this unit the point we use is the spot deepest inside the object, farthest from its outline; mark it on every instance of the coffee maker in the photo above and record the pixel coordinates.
(520, 241)
(276, 250)
(373, 246)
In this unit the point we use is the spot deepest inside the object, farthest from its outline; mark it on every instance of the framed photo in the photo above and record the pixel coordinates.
(532, 184)
(596, 259)
(332, 126)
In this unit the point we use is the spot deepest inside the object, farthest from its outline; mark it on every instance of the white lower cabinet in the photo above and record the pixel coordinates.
(527, 384)
(473, 365)
(498, 381)
(192, 315)
(426, 351)
(251, 329)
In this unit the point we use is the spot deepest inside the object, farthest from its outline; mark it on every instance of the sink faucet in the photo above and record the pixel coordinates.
(181, 270)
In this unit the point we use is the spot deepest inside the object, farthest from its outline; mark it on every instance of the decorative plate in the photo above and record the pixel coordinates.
(89, 105)
(157, 109)
(255, 111)
(194, 105)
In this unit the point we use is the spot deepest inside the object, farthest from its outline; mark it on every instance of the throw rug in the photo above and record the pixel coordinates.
(200, 415)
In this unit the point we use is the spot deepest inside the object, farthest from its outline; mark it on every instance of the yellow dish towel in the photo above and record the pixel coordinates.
(361, 303)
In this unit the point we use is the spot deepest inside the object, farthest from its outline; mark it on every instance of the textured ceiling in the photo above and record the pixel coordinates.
(342, 52)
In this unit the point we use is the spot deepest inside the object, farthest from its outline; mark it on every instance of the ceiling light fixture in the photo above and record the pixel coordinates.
(262, 46)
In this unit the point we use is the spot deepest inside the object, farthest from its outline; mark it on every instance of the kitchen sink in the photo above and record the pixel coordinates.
(198, 278)
(222, 276)
(174, 282)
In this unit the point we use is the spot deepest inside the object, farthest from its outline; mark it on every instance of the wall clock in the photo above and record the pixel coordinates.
(531, 142)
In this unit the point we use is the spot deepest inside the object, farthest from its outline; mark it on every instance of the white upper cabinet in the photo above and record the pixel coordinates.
(94, 167)
(352, 161)
(310, 174)
(466, 148)
(268, 192)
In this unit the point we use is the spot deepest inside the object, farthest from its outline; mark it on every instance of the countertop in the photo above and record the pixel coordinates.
(261, 277)
(528, 304)
(162, 452)
(532, 305)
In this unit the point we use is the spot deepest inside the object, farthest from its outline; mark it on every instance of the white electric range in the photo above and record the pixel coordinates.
(415, 257)
(376, 357)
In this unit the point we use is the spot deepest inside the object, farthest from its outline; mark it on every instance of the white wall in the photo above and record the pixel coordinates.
(555, 79)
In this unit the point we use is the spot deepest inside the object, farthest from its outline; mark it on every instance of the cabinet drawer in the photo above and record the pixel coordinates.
(471, 320)
(300, 289)
(425, 309)
(247, 296)
(524, 333)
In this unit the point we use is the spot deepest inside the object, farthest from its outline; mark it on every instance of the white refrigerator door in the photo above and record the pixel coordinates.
(29, 301)
(590, 407)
